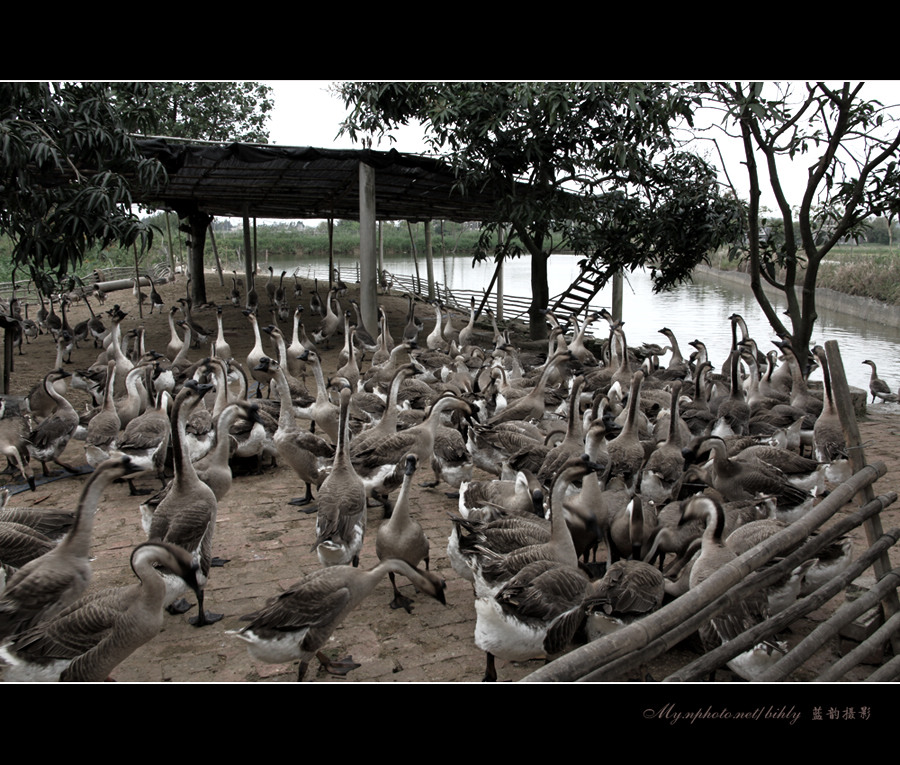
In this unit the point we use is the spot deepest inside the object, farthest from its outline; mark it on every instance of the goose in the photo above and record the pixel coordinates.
(87, 640)
(214, 469)
(401, 536)
(176, 343)
(735, 619)
(200, 334)
(316, 306)
(331, 321)
(378, 463)
(629, 590)
(296, 387)
(298, 288)
(665, 464)
(878, 387)
(364, 339)
(235, 293)
(733, 414)
(323, 412)
(534, 614)
(103, 429)
(630, 532)
(492, 498)
(413, 324)
(387, 424)
(156, 300)
(296, 367)
(252, 303)
(221, 348)
(491, 570)
(305, 452)
(50, 438)
(256, 355)
(187, 515)
(135, 399)
(145, 440)
(467, 333)
(341, 506)
(46, 585)
(279, 295)
(572, 443)
(271, 286)
(340, 286)
(14, 445)
(299, 621)
(40, 403)
(829, 443)
(19, 544)
(531, 406)
(626, 453)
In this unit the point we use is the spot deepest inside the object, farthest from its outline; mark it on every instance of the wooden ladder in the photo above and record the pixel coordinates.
(577, 296)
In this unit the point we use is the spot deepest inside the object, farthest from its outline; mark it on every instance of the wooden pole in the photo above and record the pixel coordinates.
(368, 277)
(497, 271)
(212, 238)
(330, 253)
(248, 251)
(171, 248)
(843, 402)
(429, 260)
(412, 241)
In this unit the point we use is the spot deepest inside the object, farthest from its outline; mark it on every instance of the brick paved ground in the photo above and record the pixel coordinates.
(267, 543)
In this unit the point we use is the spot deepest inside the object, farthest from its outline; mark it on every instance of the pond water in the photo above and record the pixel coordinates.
(698, 310)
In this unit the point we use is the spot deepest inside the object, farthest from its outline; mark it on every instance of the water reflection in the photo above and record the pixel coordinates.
(698, 310)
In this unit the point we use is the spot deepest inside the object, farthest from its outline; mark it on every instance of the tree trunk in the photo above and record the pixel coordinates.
(540, 296)
(199, 223)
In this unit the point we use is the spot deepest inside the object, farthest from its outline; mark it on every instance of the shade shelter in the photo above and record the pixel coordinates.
(264, 181)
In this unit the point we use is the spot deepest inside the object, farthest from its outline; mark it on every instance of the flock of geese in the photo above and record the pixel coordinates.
(612, 478)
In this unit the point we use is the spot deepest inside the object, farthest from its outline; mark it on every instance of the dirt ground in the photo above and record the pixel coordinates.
(267, 542)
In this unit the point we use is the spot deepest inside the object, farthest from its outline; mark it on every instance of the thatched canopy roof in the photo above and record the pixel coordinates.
(263, 181)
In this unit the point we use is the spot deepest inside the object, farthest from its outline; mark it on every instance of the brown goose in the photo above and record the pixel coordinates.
(103, 429)
(341, 506)
(88, 639)
(50, 438)
(401, 536)
(305, 452)
(187, 515)
(299, 621)
(626, 452)
(878, 387)
(46, 585)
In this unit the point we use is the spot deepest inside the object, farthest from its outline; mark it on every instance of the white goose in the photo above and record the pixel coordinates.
(298, 623)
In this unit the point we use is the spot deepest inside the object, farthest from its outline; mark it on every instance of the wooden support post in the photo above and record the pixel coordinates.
(212, 238)
(368, 266)
(843, 402)
(429, 260)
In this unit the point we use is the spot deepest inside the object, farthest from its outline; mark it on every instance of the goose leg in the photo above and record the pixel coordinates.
(490, 670)
(399, 601)
(339, 667)
(204, 618)
(302, 501)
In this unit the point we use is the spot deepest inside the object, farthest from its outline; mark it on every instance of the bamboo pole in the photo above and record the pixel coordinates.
(598, 653)
(873, 528)
(858, 655)
(412, 241)
(842, 617)
(719, 656)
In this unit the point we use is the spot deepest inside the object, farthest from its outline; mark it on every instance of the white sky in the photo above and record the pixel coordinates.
(305, 114)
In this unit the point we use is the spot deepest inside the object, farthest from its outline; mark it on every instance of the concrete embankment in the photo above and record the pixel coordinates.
(827, 299)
